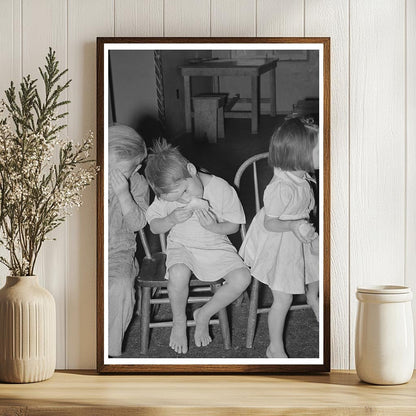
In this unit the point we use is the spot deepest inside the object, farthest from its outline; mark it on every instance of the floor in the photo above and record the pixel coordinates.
(223, 159)
(301, 336)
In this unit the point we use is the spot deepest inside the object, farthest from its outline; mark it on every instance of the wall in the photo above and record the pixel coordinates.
(295, 80)
(373, 128)
(174, 88)
(134, 86)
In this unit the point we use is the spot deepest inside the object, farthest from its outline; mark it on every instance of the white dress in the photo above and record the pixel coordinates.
(280, 260)
(210, 256)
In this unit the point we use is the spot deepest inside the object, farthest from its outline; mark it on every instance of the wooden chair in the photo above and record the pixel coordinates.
(254, 310)
(152, 287)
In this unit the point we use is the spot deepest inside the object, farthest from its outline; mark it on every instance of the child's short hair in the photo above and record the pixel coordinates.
(291, 146)
(165, 167)
(125, 143)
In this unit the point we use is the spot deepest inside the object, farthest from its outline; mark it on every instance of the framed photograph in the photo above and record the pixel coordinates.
(213, 227)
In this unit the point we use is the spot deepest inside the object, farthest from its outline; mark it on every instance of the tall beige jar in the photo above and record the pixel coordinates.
(384, 341)
(27, 331)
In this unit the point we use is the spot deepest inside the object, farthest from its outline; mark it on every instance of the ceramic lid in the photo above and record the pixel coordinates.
(384, 289)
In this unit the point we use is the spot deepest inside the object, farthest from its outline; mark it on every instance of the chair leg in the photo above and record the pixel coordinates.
(239, 301)
(139, 301)
(145, 320)
(225, 328)
(223, 321)
(252, 312)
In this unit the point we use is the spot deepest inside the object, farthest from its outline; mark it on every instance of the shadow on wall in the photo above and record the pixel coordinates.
(150, 129)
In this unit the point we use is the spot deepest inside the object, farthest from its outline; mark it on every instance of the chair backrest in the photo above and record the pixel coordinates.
(250, 163)
(144, 240)
(146, 246)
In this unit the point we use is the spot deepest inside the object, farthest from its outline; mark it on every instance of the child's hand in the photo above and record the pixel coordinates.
(315, 247)
(180, 215)
(198, 204)
(308, 231)
(296, 227)
(118, 182)
(206, 219)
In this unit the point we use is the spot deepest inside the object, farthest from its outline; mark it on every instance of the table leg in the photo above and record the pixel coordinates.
(187, 99)
(221, 132)
(254, 104)
(273, 92)
(216, 84)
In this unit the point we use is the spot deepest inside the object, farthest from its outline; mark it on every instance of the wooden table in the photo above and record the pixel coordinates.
(215, 68)
(86, 393)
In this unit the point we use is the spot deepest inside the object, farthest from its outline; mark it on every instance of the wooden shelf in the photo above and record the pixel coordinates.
(86, 393)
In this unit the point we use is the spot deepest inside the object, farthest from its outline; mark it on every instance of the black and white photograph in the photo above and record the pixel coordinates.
(213, 213)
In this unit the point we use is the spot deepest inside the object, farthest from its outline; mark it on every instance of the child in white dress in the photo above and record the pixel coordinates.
(199, 211)
(281, 246)
(128, 199)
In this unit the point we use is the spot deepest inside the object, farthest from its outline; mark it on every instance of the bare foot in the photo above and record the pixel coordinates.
(275, 353)
(178, 339)
(202, 338)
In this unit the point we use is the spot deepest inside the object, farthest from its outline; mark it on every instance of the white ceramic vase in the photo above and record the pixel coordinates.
(27, 331)
(384, 338)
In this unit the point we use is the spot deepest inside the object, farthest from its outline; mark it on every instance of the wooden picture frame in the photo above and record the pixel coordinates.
(123, 85)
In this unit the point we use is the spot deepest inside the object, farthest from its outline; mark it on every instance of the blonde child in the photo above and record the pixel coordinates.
(280, 246)
(128, 197)
(199, 211)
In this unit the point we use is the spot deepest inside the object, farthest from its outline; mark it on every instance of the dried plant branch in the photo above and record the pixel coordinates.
(36, 193)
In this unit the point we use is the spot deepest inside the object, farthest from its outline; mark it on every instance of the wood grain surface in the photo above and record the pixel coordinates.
(330, 17)
(377, 149)
(51, 265)
(85, 393)
(85, 18)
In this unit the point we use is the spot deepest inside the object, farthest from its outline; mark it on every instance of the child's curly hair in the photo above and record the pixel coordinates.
(165, 167)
